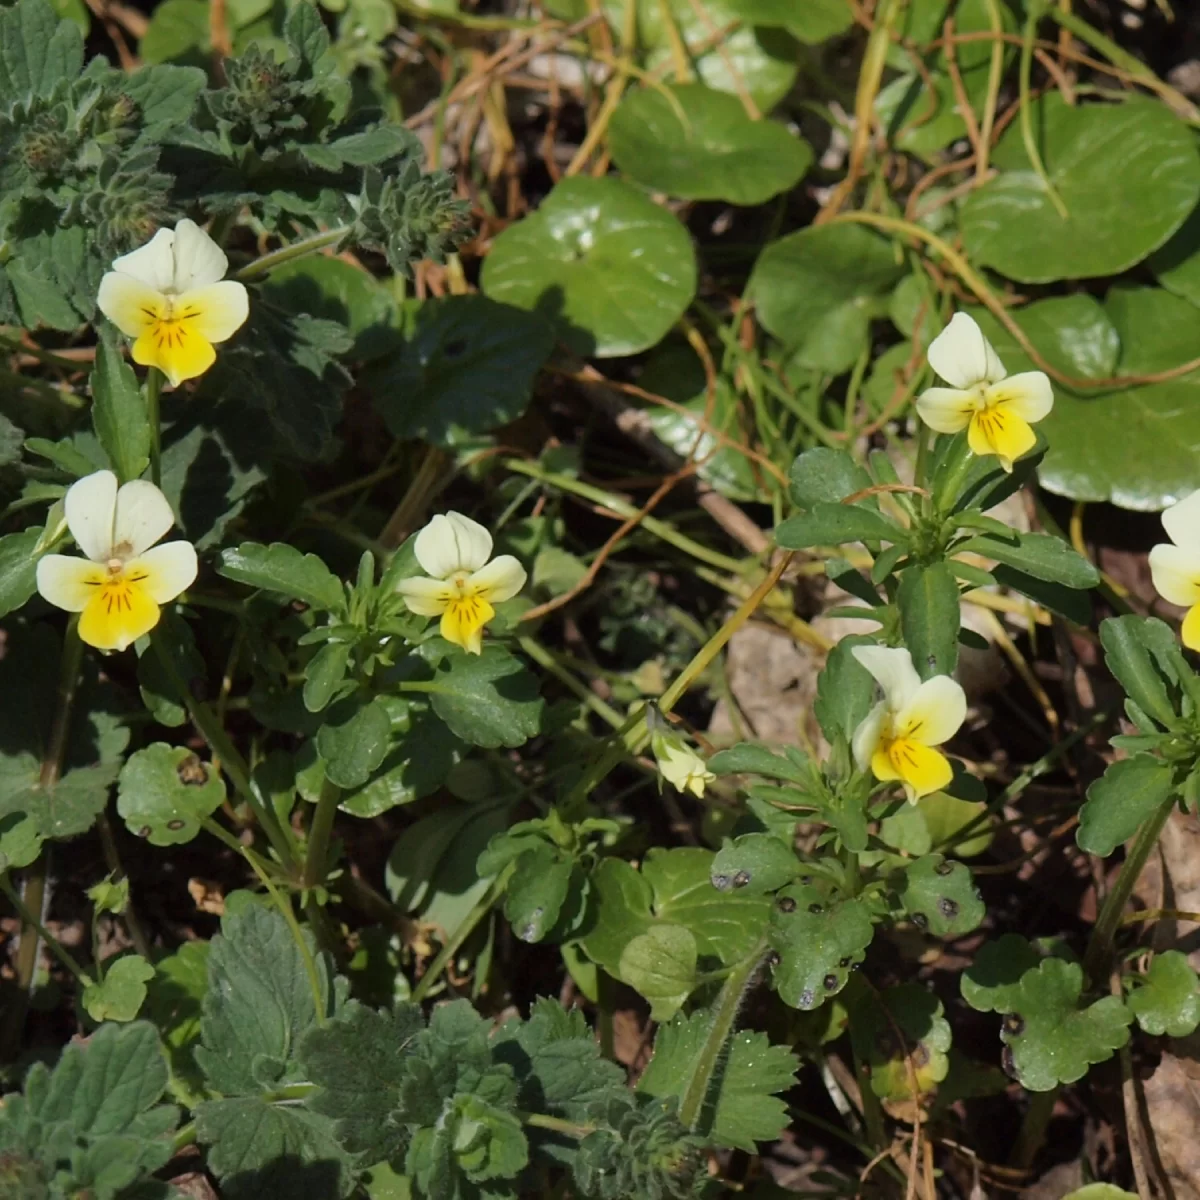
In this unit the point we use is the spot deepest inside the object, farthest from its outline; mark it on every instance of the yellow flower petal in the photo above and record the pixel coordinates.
(934, 714)
(1028, 395)
(178, 351)
(463, 622)
(90, 506)
(131, 305)
(1001, 432)
(882, 766)
(500, 580)
(1190, 632)
(921, 769)
(426, 597)
(68, 582)
(947, 410)
(215, 312)
(164, 571)
(117, 615)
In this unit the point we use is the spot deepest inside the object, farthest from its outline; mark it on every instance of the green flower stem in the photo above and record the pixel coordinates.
(953, 475)
(309, 245)
(184, 1137)
(545, 659)
(1028, 139)
(625, 510)
(556, 1124)
(316, 855)
(30, 919)
(231, 761)
(35, 878)
(152, 390)
(724, 1017)
(112, 859)
(466, 927)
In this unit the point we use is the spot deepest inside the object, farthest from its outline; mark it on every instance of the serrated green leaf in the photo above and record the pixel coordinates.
(119, 996)
(119, 412)
(992, 982)
(285, 571)
(1137, 651)
(836, 524)
(741, 1107)
(755, 863)
(1167, 1000)
(537, 891)
(817, 942)
(487, 699)
(166, 792)
(660, 964)
(825, 476)
(37, 51)
(902, 1041)
(1037, 554)
(1052, 1038)
(929, 617)
(1129, 792)
(940, 896)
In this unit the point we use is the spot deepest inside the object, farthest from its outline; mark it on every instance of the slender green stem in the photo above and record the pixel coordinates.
(1036, 11)
(184, 1137)
(152, 390)
(316, 854)
(108, 844)
(309, 245)
(232, 762)
(556, 1124)
(466, 927)
(544, 658)
(30, 919)
(724, 1016)
(46, 357)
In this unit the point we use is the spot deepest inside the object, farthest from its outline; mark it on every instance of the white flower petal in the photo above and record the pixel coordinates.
(934, 714)
(1028, 394)
(893, 670)
(153, 264)
(143, 516)
(962, 356)
(68, 582)
(425, 597)
(1176, 573)
(1182, 522)
(199, 261)
(90, 506)
(866, 737)
(500, 580)
(165, 571)
(215, 312)
(131, 305)
(450, 543)
(947, 410)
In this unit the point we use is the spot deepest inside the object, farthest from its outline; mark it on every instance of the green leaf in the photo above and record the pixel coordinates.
(119, 412)
(173, 636)
(611, 269)
(1011, 224)
(756, 863)
(993, 981)
(1167, 1000)
(354, 740)
(929, 617)
(1038, 554)
(939, 896)
(741, 1107)
(285, 571)
(817, 942)
(822, 475)
(749, 758)
(487, 699)
(813, 22)
(537, 892)
(1138, 650)
(1132, 444)
(166, 792)
(904, 1039)
(1069, 602)
(835, 524)
(18, 568)
(37, 51)
(173, 1003)
(178, 30)
(1128, 793)
(816, 290)
(466, 366)
(660, 964)
(845, 690)
(697, 143)
(324, 674)
(119, 996)
(1100, 1191)
(1051, 1037)
(948, 818)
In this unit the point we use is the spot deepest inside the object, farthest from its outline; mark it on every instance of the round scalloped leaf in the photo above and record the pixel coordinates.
(817, 289)
(817, 942)
(1167, 999)
(940, 896)
(755, 863)
(660, 964)
(611, 269)
(1134, 445)
(992, 981)
(700, 144)
(165, 792)
(1106, 161)
(1051, 1038)
(908, 1032)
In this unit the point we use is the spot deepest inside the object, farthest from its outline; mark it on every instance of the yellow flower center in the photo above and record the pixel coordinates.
(120, 609)
(167, 327)
(901, 756)
(467, 612)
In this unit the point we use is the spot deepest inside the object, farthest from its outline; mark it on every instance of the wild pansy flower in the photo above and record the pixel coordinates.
(172, 297)
(896, 740)
(464, 581)
(995, 408)
(125, 577)
(679, 764)
(1175, 566)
